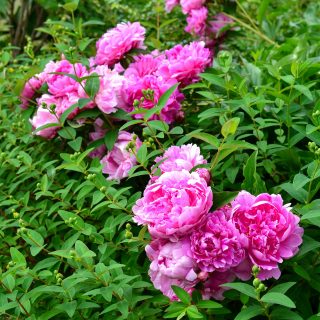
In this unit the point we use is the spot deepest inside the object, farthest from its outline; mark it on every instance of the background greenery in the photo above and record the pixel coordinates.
(68, 247)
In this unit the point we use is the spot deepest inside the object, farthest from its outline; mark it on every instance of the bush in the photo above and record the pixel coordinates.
(100, 179)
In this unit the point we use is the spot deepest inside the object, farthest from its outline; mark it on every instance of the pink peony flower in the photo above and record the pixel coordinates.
(171, 264)
(179, 158)
(134, 89)
(188, 5)
(143, 65)
(60, 84)
(170, 4)
(119, 161)
(115, 43)
(217, 245)
(204, 173)
(212, 287)
(107, 98)
(272, 230)
(41, 118)
(185, 63)
(98, 133)
(174, 204)
(197, 21)
(219, 21)
(30, 89)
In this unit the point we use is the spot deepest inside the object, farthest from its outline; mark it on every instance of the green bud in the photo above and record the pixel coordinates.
(256, 282)
(128, 234)
(255, 269)
(16, 215)
(103, 189)
(261, 287)
(128, 226)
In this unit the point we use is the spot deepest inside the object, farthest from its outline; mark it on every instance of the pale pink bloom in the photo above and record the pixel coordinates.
(43, 117)
(219, 21)
(107, 98)
(61, 84)
(197, 21)
(217, 245)
(179, 158)
(174, 204)
(98, 133)
(118, 68)
(116, 42)
(171, 264)
(118, 162)
(188, 5)
(170, 4)
(143, 65)
(30, 89)
(134, 89)
(212, 288)
(185, 63)
(272, 230)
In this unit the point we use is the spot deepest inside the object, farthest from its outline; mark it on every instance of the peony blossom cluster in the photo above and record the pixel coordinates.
(193, 246)
(198, 22)
(62, 84)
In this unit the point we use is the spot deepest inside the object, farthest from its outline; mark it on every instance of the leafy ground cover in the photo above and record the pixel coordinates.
(147, 168)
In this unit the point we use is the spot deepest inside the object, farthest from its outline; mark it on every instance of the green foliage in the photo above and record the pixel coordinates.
(69, 249)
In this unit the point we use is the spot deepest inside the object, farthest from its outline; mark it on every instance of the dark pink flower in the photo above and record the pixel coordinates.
(197, 21)
(271, 228)
(115, 43)
(30, 88)
(185, 63)
(135, 89)
(217, 245)
(98, 133)
(219, 21)
(188, 5)
(170, 4)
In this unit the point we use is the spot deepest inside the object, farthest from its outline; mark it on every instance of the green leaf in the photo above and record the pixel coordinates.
(69, 308)
(206, 137)
(83, 251)
(161, 103)
(110, 138)
(304, 90)
(48, 125)
(92, 85)
(283, 287)
(311, 214)
(209, 304)
(262, 10)
(176, 130)
(142, 154)
(214, 79)
(66, 113)
(249, 171)
(17, 256)
(71, 5)
(243, 288)
(193, 313)
(130, 123)
(278, 298)
(222, 198)
(300, 180)
(68, 133)
(75, 144)
(181, 294)
(230, 127)
(249, 313)
(9, 282)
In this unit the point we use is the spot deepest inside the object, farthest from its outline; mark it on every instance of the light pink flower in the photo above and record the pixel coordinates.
(115, 43)
(171, 264)
(272, 230)
(41, 118)
(179, 158)
(174, 204)
(188, 5)
(197, 21)
(30, 88)
(143, 65)
(212, 287)
(185, 63)
(118, 162)
(98, 133)
(204, 173)
(134, 89)
(107, 98)
(219, 21)
(217, 245)
(170, 4)
(60, 84)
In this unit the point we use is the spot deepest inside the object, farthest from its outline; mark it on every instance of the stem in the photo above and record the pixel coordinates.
(215, 160)
(310, 184)
(256, 31)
